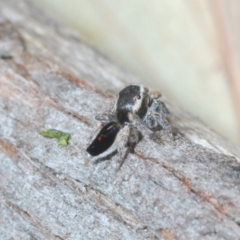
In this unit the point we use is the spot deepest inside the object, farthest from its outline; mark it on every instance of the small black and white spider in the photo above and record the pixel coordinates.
(134, 109)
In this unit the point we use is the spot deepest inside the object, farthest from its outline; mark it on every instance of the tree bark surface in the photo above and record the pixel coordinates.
(49, 78)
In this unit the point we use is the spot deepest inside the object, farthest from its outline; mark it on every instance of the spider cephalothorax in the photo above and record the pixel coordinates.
(134, 109)
(132, 99)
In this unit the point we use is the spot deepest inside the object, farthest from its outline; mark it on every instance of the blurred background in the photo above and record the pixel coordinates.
(187, 49)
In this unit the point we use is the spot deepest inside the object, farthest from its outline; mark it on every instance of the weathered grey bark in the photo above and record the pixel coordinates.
(49, 78)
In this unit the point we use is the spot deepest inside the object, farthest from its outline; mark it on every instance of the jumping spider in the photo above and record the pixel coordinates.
(134, 109)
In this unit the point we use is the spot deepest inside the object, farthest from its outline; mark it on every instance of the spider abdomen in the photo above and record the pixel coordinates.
(104, 139)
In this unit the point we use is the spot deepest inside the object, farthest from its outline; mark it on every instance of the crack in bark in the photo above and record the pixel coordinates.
(98, 197)
(23, 72)
(168, 234)
(200, 194)
(79, 82)
(34, 222)
(49, 64)
(94, 195)
(7, 148)
(207, 198)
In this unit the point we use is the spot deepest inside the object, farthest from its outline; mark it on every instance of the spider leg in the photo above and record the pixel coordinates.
(163, 121)
(166, 132)
(155, 94)
(122, 145)
(137, 123)
(122, 154)
(158, 117)
(158, 122)
(134, 137)
(107, 116)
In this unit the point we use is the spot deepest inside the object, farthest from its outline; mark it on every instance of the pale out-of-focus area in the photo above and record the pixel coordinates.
(189, 50)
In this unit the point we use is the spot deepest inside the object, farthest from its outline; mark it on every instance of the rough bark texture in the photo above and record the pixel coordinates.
(49, 78)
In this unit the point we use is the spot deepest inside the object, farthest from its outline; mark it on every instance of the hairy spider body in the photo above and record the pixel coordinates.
(104, 140)
(134, 109)
(113, 137)
(157, 117)
(132, 99)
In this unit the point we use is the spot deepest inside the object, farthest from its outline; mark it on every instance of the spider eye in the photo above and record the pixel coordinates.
(138, 96)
